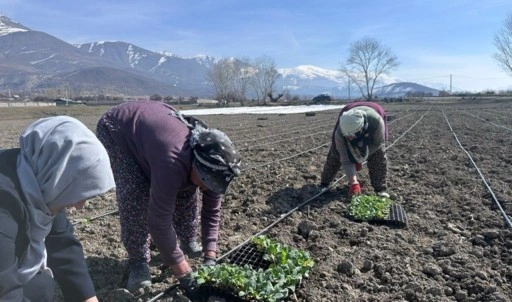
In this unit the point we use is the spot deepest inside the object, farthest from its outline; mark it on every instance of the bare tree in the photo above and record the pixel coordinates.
(242, 76)
(230, 78)
(220, 75)
(264, 77)
(368, 60)
(503, 43)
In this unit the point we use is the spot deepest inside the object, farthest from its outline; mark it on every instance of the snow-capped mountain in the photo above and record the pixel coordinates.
(8, 26)
(311, 80)
(404, 88)
(187, 74)
(33, 61)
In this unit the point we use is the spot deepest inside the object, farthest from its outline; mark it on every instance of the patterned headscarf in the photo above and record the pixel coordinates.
(215, 158)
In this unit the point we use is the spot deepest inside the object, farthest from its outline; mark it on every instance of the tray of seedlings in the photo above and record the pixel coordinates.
(377, 209)
(261, 270)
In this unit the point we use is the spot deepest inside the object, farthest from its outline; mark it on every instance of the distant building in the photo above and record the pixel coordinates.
(207, 102)
(322, 99)
(67, 102)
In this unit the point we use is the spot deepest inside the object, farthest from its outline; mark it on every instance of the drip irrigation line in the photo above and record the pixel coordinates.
(307, 128)
(283, 216)
(102, 215)
(273, 119)
(286, 158)
(89, 219)
(274, 125)
(165, 292)
(505, 216)
(500, 126)
(397, 119)
(494, 114)
(402, 135)
(283, 140)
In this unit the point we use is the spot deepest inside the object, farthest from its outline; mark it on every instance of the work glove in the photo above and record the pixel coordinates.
(209, 261)
(355, 189)
(359, 167)
(189, 285)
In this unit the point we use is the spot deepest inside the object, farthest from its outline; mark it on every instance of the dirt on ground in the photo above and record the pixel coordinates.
(449, 167)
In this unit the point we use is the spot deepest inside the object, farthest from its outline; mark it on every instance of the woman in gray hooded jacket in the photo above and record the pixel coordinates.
(60, 163)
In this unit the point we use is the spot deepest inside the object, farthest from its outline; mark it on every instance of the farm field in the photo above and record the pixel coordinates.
(449, 167)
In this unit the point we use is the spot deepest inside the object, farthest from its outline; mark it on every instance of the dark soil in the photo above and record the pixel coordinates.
(457, 245)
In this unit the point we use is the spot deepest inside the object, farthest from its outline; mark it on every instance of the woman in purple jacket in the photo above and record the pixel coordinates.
(160, 159)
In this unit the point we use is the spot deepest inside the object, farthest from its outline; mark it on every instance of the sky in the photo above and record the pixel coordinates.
(444, 44)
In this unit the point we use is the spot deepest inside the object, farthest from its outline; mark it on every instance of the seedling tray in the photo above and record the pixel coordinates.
(251, 266)
(247, 254)
(397, 217)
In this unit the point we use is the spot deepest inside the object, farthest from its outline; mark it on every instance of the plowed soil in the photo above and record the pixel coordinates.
(449, 167)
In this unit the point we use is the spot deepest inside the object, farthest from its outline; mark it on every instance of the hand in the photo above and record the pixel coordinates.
(209, 261)
(355, 189)
(188, 284)
(359, 167)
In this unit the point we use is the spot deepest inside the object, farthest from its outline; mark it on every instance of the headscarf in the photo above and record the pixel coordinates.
(61, 162)
(352, 121)
(215, 157)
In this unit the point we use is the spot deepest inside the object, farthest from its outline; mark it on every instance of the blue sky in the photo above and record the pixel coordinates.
(432, 39)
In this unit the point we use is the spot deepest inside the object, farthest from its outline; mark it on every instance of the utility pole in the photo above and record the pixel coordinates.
(349, 89)
(450, 84)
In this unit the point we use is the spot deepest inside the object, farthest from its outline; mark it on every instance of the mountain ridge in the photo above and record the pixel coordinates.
(36, 61)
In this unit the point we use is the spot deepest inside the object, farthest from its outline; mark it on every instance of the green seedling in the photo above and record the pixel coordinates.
(288, 267)
(368, 207)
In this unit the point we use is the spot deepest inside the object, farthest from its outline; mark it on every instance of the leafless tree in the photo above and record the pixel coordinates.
(503, 43)
(264, 77)
(230, 78)
(242, 76)
(220, 75)
(368, 59)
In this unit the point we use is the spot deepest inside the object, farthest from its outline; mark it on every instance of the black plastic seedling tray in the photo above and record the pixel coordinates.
(396, 217)
(247, 254)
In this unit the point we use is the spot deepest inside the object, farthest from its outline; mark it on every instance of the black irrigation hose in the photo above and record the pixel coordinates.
(248, 148)
(307, 128)
(500, 126)
(286, 158)
(505, 216)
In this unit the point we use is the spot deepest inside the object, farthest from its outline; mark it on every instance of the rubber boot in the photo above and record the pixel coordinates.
(139, 277)
(192, 249)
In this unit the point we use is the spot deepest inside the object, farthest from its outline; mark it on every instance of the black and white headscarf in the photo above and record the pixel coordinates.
(215, 156)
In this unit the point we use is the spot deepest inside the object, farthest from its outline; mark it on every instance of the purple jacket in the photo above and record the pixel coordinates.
(158, 141)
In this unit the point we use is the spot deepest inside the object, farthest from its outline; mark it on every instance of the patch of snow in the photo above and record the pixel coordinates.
(261, 110)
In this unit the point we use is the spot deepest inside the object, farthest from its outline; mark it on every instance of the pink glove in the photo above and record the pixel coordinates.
(355, 189)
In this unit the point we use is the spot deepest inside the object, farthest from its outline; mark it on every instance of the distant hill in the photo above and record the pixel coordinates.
(404, 88)
(31, 60)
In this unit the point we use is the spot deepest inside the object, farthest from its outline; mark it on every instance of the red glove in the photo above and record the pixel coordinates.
(358, 167)
(355, 189)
